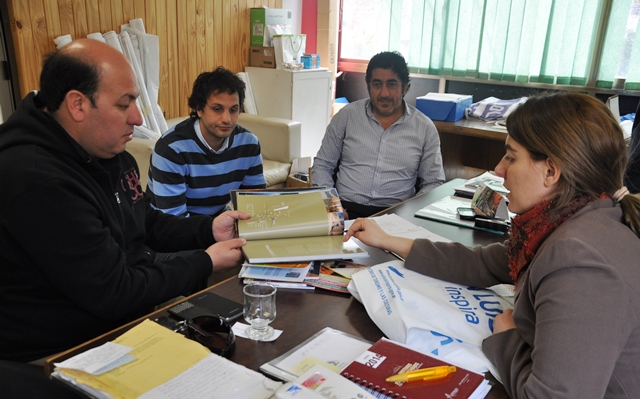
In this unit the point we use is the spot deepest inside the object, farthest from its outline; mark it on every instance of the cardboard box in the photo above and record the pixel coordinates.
(263, 17)
(262, 57)
(300, 165)
(293, 182)
(444, 107)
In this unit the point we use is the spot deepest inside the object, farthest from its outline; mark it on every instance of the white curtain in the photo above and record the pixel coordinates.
(546, 41)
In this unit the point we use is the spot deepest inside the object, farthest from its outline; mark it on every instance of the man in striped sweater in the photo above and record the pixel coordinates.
(198, 162)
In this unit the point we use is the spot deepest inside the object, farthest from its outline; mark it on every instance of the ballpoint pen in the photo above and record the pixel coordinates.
(428, 374)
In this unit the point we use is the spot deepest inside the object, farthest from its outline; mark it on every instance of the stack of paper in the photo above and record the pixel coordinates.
(489, 179)
(151, 361)
(281, 275)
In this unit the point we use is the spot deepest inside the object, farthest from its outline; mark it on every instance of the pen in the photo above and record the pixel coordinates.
(428, 374)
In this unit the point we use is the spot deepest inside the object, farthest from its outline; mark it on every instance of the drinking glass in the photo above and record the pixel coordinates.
(259, 310)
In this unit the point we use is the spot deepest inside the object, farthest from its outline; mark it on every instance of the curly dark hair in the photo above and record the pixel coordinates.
(220, 80)
(389, 60)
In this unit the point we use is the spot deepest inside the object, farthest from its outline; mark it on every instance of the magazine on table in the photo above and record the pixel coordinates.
(329, 347)
(486, 211)
(488, 178)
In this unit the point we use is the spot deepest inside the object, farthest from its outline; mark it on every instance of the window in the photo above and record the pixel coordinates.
(593, 43)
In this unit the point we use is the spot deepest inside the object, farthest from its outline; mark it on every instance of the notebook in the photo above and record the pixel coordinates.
(386, 358)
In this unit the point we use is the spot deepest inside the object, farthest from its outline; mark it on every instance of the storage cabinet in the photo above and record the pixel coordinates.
(303, 96)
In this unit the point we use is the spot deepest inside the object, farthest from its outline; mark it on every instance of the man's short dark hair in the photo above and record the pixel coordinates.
(220, 80)
(389, 60)
(62, 73)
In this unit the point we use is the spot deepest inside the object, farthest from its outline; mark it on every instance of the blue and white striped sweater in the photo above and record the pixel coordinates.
(185, 177)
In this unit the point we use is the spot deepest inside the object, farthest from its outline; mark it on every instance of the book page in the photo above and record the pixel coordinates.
(289, 213)
(287, 216)
(332, 348)
(302, 249)
(397, 226)
(160, 355)
(168, 365)
(215, 374)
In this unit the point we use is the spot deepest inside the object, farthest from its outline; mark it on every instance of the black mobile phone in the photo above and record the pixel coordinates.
(208, 303)
(467, 213)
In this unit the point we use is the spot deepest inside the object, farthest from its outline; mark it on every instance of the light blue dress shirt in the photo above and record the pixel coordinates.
(379, 167)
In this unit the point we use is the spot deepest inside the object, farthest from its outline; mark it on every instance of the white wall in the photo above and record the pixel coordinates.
(296, 14)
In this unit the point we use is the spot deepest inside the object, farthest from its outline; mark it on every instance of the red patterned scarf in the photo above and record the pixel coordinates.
(529, 230)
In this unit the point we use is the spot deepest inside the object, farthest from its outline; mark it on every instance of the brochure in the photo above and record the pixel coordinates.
(293, 226)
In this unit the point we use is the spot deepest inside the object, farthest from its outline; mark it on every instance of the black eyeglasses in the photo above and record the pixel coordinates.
(212, 332)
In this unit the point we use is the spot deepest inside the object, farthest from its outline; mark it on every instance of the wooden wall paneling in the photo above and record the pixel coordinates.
(192, 47)
(78, 23)
(183, 79)
(39, 29)
(128, 12)
(52, 17)
(199, 42)
(171, 93)
(150, 18)
(66, 17)
(161, 31)
(93, 19)
(216, 35)
(210, 44)
(238, 44)
(117, 16)
(23, 45)
(244, 15)
(194, 36)
(226, 37)
(104, 8)
(138, 9)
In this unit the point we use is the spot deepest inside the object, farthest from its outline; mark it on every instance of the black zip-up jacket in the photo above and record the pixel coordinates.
(78, 239)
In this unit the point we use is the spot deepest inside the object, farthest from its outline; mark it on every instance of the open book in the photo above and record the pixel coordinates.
(293, 226)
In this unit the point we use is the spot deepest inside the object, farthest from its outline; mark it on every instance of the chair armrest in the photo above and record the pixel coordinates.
(141, 150)
(280, 139)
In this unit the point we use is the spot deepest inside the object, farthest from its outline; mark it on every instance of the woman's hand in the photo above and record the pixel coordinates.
(368, 231)
(504, 322)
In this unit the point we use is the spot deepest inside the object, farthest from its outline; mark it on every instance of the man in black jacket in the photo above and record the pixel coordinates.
(78, 237)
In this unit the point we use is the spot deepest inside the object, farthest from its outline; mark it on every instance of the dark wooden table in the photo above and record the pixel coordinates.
(466, 236)
(302, 313)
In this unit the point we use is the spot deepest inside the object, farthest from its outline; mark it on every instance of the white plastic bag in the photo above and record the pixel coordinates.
(493, 109)
(274, 30)
(288, 50)
(430, 315)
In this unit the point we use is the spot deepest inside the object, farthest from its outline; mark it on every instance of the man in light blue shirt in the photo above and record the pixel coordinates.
(381, 150)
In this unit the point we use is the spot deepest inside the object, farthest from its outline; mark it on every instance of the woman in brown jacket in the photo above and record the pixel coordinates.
(573, 253)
